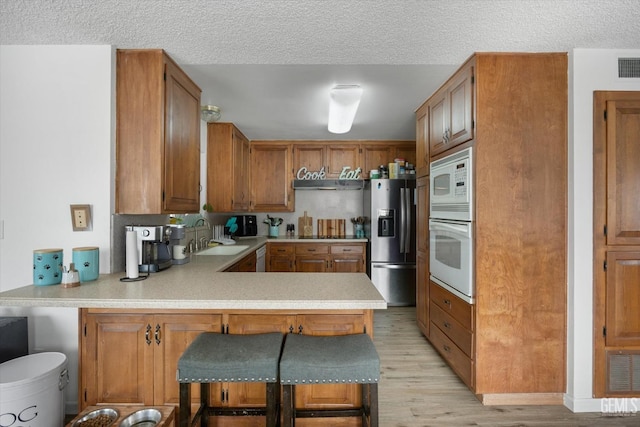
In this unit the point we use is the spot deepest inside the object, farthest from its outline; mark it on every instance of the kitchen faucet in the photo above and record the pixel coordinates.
(199, 242)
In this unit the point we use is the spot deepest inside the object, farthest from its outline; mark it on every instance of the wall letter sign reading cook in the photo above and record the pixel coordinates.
(347, 173)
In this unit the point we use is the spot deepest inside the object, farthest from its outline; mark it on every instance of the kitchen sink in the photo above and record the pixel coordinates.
(223, 250)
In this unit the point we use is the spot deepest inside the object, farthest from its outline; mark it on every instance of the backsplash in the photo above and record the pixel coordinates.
(318, 205)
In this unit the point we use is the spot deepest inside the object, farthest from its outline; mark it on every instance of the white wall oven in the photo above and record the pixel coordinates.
(451, 255)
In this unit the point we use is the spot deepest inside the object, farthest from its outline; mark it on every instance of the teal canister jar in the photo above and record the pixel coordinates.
(47, 266)
(87, 261)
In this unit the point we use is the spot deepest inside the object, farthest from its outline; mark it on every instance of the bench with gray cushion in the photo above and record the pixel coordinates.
(343, 359)
(214, 357)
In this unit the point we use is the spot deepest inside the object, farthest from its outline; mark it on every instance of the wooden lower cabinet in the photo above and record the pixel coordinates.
(130, 357)
(316, 257)
(245, 265)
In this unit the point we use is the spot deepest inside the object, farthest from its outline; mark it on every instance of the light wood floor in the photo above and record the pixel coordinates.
(418, 389)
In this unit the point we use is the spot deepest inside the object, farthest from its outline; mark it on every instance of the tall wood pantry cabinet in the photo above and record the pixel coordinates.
(157, 135)
(509, 346)
(616, 231)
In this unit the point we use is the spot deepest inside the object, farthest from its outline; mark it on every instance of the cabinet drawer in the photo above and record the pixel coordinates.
(305, 249)
(451, 304)
(460, 336)
(347, 249)
(459, 362)
(281, 248)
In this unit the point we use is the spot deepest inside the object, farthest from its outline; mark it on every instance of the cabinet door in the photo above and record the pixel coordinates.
(405, 151)
(253, 394)
(422, 292)
(348, 258)
(182, 143)
(172, 334)
(373, 156)
(623, 299)
(422, 257)
(325, 396)
(310, 157)
(339, 156)
(313, 263)
(437, 118)
(271, 178)
(280, 257)
(623, 172)
(117, 360)
(422, 142)
(460, 99)
(240, 172)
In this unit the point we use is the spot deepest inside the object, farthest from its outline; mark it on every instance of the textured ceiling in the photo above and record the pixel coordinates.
(269, 64)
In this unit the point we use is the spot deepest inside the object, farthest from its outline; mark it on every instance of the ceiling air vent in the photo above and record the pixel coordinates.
(629, 68)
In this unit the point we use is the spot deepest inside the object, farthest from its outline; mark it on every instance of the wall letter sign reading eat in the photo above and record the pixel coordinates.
(347, 173)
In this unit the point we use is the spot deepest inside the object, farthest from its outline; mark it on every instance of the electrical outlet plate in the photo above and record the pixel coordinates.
(81, 217)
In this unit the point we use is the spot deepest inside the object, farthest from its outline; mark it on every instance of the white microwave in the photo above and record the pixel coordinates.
(451, 187)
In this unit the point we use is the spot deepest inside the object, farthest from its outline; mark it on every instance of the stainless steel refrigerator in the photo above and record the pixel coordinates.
(390, 207)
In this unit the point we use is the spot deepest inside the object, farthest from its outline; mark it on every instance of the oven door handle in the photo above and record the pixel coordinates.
(460, 229)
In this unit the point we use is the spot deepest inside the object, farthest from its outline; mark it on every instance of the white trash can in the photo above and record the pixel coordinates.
(32, 390)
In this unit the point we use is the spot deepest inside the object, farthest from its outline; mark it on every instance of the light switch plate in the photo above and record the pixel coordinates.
(81, 217)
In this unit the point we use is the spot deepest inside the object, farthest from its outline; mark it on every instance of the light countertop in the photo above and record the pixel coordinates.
(200, 284)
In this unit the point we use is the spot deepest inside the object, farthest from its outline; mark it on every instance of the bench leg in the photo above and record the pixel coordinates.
(273, 403)
(373, 404)
(288, 406)
(204, 404)
(185, 405)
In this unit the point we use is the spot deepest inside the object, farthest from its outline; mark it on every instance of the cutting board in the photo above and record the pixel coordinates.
(305, 225)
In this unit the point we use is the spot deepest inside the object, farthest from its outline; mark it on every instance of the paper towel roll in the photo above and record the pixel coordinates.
(132, 254)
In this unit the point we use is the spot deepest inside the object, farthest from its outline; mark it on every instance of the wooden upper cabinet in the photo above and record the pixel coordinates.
(451, 112)
(333, 157)
(378, 153)
(227, 168)
(157, 135)
(271, 189)
(623, 172)
(422, 142)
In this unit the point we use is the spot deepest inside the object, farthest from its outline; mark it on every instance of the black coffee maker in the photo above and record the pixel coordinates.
(153, 248)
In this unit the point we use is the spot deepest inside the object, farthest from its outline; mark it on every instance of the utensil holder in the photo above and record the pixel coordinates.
(274, 231)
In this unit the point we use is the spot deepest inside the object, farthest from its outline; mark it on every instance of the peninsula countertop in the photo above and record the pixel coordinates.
(200, 284)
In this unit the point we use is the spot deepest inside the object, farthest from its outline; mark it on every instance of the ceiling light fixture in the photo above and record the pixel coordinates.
(343, 104)
(210, 113)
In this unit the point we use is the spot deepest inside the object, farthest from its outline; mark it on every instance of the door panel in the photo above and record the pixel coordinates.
(623, 298)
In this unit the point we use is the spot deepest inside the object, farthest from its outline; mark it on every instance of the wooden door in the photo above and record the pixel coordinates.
(313, 263)
(117, 360)
(324, 396)
(623, 299)
(310, 157)
(437, 119)
(347, 264)
(254, 394)
(422, 256)
(623, 172)
(182, 143)
(172, 334)
(404, 151)
(339, 156)
(271, 178)
(280, 257)
(240, 201)
(460, 111)
(616, 232)
(422, 141)
(373, 156)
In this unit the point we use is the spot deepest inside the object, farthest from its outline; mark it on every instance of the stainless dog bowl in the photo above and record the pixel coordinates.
(109, 415)
(142, 418)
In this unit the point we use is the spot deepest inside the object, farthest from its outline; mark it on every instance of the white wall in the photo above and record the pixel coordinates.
(590, 70)
(56, 132)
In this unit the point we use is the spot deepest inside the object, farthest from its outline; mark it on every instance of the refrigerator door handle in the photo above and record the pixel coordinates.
(408, 220)
(403, 225)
